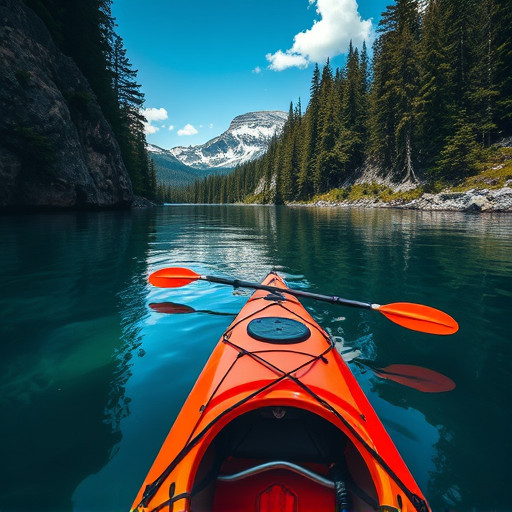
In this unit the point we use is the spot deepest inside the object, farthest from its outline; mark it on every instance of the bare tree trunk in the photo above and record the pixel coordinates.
(489, 70)
(410, 175)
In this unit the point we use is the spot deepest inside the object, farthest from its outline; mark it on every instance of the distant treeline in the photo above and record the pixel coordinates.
(436, 95)
(85, 31)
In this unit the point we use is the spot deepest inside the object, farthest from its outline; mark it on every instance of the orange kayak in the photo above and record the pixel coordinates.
(276, 422)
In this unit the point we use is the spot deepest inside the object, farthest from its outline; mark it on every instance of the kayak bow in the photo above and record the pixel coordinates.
(277, 422)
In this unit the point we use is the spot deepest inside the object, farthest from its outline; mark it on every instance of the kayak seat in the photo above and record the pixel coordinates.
(277, 459)
(277, 464)
(276, 486)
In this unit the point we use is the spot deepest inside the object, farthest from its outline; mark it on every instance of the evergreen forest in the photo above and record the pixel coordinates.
(85, 30)
(427, 107)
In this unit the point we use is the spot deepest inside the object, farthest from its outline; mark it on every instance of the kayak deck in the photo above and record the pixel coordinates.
(277, 422)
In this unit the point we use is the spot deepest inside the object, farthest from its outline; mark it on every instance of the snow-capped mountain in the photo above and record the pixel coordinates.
(247, 138)
(170, 171)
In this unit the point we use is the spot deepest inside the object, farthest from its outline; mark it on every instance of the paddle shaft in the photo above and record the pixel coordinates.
(236, 283)
(416, 317)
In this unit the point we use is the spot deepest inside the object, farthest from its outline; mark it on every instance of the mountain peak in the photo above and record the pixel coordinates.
(247, 138)
(260, 118)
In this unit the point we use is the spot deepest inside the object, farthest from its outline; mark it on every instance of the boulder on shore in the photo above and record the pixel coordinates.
(475, 200)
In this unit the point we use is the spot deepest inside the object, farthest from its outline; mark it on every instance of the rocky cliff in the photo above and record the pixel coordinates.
(56, 148)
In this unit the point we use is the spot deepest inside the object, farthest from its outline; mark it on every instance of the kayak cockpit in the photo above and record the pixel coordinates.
(282, 459)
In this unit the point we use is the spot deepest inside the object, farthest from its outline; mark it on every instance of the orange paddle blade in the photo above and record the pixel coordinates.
(171, 308)
(419, 318)
(416, 377)
(173, 277)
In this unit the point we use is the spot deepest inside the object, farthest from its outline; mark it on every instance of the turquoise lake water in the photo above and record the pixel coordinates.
(91, 378)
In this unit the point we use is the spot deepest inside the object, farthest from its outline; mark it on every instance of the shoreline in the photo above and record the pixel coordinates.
(473, 201)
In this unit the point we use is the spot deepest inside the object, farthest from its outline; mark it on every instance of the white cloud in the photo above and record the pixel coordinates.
(339, 23)
(257, 70)
(188, 129)
(281, 60)
(150, 129)
(171, 127)
(153, 115)
(210, 125)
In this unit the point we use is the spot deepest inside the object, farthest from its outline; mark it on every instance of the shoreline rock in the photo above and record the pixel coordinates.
(142, 202)
(474, 200)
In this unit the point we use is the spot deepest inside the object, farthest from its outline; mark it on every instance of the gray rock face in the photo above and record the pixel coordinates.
(56, 148)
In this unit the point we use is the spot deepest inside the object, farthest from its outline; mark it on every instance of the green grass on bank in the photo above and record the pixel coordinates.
(254, 199)
(371, 191)
(495, 172)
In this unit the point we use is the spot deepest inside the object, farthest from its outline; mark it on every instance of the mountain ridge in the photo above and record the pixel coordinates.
(171, 171)
(247, 138)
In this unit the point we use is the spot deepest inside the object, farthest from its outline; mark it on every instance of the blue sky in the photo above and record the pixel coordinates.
(203, 62)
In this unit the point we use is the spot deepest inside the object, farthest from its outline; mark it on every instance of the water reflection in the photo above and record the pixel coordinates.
(61, 384)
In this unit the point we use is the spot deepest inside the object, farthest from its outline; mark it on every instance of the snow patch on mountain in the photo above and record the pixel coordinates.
(247, 138)
(156, 150)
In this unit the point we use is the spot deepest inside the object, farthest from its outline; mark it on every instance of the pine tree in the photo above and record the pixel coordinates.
(152, 186)
(354, 110)
(269, 172)
(382, 122)
(130, 120)
(352, 89)
(406, 91)
(327, 130)
(459, 20)
(435, 103)
(365, 70)
(289, 157)
(461, 153)
(365, 81)
(482, 90)
(503, 69)
(310, 138)
(395, 88)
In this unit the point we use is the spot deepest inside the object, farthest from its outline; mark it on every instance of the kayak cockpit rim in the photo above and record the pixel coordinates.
(285, 438)
(364, 474)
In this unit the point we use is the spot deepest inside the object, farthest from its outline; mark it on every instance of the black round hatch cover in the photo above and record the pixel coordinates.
(277, 330)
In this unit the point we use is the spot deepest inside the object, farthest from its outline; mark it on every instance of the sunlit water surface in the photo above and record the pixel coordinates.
(91, 378)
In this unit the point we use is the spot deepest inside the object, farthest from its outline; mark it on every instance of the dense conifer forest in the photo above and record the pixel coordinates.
(435, 97)
(85, 31)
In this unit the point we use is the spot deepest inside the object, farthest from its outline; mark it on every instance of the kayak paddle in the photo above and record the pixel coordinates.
(173, 308)
(417, 377)
(416, 317)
